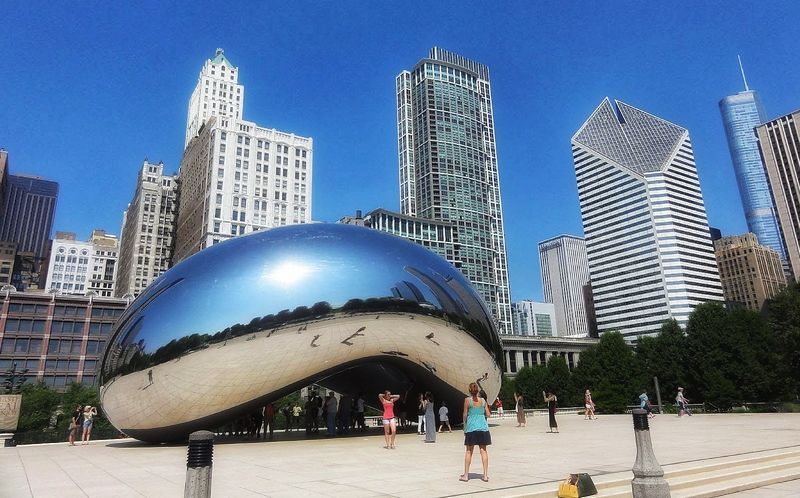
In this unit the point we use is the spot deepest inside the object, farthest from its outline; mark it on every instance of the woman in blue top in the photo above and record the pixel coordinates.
(476, 431)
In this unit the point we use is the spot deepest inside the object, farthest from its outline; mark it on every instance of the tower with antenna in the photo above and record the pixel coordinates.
(741, 113)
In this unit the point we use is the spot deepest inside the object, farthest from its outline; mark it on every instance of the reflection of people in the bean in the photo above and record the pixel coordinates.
(476, 431)
(387, 400)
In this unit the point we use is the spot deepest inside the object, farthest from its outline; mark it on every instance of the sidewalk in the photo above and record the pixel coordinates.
(359, 466)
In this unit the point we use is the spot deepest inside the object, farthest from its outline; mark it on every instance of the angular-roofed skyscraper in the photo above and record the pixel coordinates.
(448, 165)
(647, 238)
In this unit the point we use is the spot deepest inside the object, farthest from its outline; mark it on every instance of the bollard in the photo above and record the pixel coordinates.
(648, 477)
(198, 465)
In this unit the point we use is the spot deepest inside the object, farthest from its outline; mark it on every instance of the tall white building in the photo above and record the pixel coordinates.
(77, 267)
(565, 277)
(535, 319)
(148, 230)
(647, 238)
(236, 177)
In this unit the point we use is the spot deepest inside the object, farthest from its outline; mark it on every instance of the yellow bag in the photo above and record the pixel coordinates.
(568, 489)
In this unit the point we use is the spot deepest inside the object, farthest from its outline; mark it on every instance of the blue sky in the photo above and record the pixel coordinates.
(88, 90)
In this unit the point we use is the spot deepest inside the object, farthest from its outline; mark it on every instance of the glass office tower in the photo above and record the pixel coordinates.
(448, 165)
(741, 113)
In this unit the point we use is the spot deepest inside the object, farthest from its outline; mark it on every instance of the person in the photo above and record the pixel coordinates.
(330, 407)
(401, 410)
(430, 419)
(287, 414)
(257, 418)
(387, 400)
(683, 403)
(552, 406)
(318, 415)
(296, 411)
(75, 423)
(444, 418)
(269, 420)
(345, 406)
(589, 405)
(520, 409)
(88, 413)
(644, 404)
(360, 423)
(309, 410)
(476, 431)
(420, 415)
(499, 404)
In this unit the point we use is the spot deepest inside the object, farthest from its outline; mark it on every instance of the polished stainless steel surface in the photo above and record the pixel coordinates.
(256, 317)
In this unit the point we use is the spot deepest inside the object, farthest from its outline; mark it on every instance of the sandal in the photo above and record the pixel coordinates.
(463, 478)
(485, 478)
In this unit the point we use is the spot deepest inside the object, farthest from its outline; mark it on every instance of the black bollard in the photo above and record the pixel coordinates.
(198, 465)
(648, 477)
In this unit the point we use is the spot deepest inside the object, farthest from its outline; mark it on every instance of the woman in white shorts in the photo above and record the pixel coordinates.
(387, 400)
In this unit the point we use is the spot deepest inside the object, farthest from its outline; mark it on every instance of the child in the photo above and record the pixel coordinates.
(443, 418)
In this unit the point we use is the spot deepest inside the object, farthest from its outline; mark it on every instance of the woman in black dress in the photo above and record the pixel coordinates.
(552, 406)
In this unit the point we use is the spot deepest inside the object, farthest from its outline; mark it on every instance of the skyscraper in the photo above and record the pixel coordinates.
(148, 230)
(536, 319)
(741, 113)
(647, 237)
(565, 273)
(30, 206)
(750, 272)
(236, 177)
(779, 142)
(448, 165)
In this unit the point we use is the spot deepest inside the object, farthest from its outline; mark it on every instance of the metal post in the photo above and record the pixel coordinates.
(198, 465)
(648, 477)
(658, 395)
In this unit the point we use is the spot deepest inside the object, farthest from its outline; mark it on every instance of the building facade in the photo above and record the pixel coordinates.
(779, 142)
(448, 166)
(750, 272)
(647, 237)
(30, 206)
(741, 114)
(527, 351)
(148, 230)
(236, 177)
(60, 339)
(440, 237)
(565, 274)
(79, 267)
(532, 318)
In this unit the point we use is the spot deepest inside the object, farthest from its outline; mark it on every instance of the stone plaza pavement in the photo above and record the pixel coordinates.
(359, 466)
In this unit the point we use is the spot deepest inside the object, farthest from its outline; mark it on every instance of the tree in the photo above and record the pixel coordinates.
(507, 389)
(557, 380)
(38, 406)
(530, 382)
(782, 313)
(664, 356)
(610, 371)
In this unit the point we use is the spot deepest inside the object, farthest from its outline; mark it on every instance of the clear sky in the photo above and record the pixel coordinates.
(88, 90)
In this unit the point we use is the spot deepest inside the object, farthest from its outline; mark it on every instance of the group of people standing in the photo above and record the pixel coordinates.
(550, 400)
(81, 421)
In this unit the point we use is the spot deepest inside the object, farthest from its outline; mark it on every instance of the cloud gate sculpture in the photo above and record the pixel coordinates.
(257, 317)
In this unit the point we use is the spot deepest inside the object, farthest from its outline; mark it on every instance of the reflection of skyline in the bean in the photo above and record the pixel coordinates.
(273, 279)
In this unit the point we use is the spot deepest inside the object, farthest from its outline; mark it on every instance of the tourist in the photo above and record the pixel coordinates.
(330, 410)
(589, 405)
(552, 407)
(88, 413)
(310, 411)
(644, 404)
(318, 415)
(360, 423)
(345, 407)
(498, 403)
(401, 410)
(287, 414)
(75, 423)
(256, 419)
(296, 411)
(387, 400)
(444, 418)
(430, 419)
(421, 414)
(520, 409)
(476, 431)
(683, 403)
(269, 420)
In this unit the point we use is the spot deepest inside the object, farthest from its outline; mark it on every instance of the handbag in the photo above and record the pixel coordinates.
(577, 486)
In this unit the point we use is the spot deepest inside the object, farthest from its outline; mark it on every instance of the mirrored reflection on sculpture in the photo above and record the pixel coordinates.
(254, 318)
